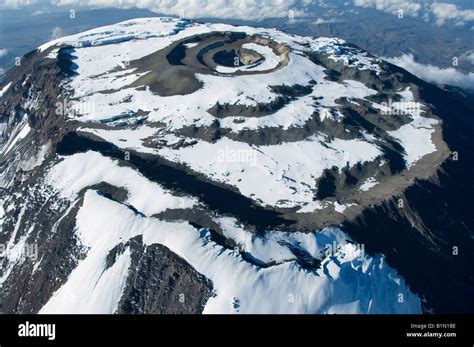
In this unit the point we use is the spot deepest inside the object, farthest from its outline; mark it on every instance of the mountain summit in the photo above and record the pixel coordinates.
(161, 165)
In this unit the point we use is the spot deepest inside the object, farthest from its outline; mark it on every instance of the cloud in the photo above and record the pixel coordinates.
(391, 6)
(444, 12)
(56, 33)
(441, 12)
(434, 74)
(3, 52)
(320, 21)
(468, 57)
(241, 9)
(238, 9)
(16, 3)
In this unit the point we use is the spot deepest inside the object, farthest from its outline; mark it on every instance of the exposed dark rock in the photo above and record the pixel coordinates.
(160, 282)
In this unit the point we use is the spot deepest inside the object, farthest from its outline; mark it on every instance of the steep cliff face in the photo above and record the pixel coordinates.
(140, 174)
(39, 245)
(429, 236)
(29, 95)
(30, 125)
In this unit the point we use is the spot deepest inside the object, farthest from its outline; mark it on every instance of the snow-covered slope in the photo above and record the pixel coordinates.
(348, 280)
(271, 174)
(235, 151)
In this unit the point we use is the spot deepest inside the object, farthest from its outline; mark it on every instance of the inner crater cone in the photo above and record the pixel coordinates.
(172, 71)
